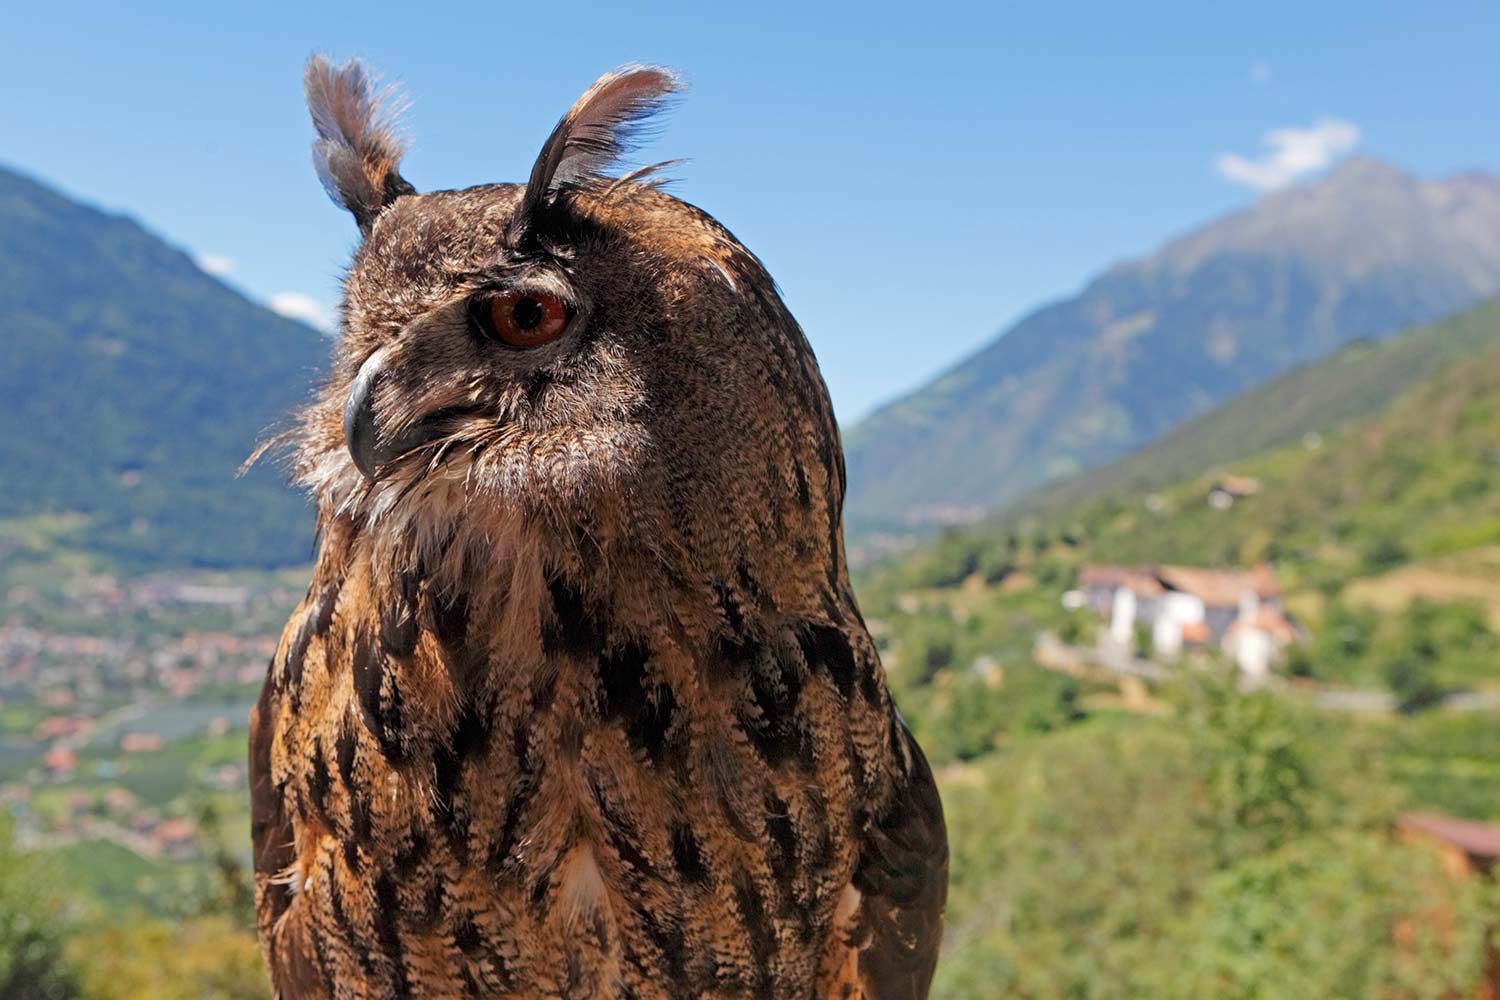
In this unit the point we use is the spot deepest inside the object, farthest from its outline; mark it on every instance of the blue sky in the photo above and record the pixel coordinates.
(916, 176)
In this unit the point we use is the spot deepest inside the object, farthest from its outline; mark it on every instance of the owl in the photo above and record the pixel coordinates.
(579, 703)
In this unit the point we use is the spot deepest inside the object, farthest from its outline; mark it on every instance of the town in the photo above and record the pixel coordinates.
(123, 705)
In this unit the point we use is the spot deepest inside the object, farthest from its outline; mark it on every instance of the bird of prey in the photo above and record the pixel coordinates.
(579, 703)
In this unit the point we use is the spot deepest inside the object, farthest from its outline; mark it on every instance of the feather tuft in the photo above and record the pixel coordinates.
(607, 122)
(359, 148)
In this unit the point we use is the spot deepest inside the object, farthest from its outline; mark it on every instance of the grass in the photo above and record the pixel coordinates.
(118, 879)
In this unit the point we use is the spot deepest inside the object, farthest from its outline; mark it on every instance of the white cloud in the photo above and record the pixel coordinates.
(1260, 72)
(1292, 152)
(295, 305)
(215, 264)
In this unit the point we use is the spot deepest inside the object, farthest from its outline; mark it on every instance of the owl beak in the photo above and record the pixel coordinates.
(373, 449)
(360, 434)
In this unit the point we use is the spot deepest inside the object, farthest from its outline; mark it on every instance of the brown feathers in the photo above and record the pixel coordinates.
(580, 703)
(602, 126)
(357, 151)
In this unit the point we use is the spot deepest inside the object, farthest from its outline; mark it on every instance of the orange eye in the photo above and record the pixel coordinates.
(523, 319)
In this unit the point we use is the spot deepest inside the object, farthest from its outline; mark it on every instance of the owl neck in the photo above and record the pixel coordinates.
(521, 576)
(533, 596)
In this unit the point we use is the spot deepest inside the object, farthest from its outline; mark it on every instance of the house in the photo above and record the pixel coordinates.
(119, 801)
(1231, 488)
(1183, 607)
(176, 838)
(1255, 641)
(1121, 595)
(62, 726)
(60, 762)
(1466, 849)
(141, 742)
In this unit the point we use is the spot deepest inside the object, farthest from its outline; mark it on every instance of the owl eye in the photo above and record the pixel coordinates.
(522, 319)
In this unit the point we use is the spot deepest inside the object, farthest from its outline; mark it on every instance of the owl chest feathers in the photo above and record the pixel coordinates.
(539, 784)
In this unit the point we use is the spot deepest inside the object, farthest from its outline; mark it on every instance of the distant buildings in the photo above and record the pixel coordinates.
(176, 838)
(1181, 607)
(1231, 488)
(137, 742)
(60, 762)
(58, 727)
(85, 665)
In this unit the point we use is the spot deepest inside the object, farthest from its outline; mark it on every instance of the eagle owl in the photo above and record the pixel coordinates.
(579, 703)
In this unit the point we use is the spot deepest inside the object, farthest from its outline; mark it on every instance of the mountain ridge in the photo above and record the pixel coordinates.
(1150, 342)
(1353, 383)
(137, 385)
(1388, 489)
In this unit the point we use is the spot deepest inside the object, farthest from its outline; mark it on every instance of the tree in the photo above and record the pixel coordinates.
(154, 960)
(1253, 751)
(1072, 854)
(33, 925)
(1411, 680)
(1343, 916)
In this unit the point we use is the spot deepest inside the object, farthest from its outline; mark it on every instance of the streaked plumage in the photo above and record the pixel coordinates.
(579, 702)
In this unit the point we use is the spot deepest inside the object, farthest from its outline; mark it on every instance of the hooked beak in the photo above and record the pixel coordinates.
(369, 448)
(360, 435)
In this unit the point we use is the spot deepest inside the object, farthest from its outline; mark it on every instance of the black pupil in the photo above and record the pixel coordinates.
(527, 312)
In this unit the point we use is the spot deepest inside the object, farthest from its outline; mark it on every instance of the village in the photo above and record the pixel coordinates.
(123, 705)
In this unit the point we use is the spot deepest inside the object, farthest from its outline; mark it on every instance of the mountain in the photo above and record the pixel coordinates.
(135, 385)
(1396, 466)
(1356, 382)
(1362, 252)
(1414, 479)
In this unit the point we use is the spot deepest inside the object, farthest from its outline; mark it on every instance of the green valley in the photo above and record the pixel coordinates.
(1184, 836)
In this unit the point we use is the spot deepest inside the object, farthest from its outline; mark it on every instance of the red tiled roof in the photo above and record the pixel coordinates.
(1240, 486)
(60, 759)
(1217, 587)
(1137, 579)
(176, 830)
(1479, 840)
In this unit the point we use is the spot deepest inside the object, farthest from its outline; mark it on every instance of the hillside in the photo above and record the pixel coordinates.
(1416, 478)
(1151, 343)
(1393, 498)
(135, 385)
(1244, 824)
(1358, 381)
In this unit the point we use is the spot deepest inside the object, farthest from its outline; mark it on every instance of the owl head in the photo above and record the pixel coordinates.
(580, 351)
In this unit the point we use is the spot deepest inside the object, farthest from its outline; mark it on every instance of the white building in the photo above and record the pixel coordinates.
(1183, 607)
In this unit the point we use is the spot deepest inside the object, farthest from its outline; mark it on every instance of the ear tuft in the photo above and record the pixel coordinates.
(358, 149)
(606, 123)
